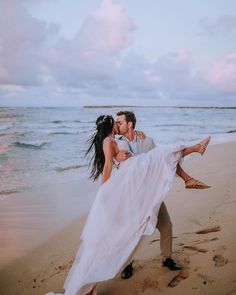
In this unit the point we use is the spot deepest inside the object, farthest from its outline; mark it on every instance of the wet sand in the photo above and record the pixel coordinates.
(31, 218)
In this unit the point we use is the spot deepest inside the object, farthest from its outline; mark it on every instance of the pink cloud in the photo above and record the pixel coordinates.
(116, 28)
(97, 62)
(222, 74)
(94, 52)
(22, 38)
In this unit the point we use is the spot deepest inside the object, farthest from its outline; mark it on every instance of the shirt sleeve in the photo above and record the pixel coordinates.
(153, 145)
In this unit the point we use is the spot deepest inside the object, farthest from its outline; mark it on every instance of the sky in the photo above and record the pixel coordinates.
(116, 52)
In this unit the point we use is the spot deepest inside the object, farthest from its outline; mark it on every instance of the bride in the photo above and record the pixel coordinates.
(125, 207)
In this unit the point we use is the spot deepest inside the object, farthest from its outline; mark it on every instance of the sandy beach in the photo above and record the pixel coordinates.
(203, 225)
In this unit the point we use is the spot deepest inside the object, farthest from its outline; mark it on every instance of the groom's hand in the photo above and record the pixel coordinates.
(122, 156)
(140, 134)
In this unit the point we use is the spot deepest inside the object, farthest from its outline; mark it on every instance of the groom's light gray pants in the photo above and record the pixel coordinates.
(164, 225)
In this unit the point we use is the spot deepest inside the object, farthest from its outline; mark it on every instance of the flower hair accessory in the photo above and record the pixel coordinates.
(102, 120)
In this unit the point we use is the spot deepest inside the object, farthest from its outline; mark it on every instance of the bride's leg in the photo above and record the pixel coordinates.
(189, 181)
(181, 173)
(197, 148)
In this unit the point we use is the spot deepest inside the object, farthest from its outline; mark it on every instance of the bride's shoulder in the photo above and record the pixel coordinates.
(109, 145)
(108, 141)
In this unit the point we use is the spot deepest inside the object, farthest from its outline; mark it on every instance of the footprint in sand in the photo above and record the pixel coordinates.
(209, 230)
(220, 260)
(186, 261)
(149, 284)
(183, 274)
(197, 249)
(154, 241)
(197, 242)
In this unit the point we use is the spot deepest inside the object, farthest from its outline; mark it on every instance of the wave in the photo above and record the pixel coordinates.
(60, 121)
(5, 193)
(30, 144)
(232, 131)
(62, 169)
(6, 127)
(63, 132)
(57, 121)
(172, 125)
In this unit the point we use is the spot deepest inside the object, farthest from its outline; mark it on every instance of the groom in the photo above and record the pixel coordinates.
(126, 122)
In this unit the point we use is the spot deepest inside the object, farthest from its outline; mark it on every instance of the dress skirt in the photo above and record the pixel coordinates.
(125, 208)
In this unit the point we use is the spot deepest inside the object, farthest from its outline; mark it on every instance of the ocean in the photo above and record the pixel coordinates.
(44, 146)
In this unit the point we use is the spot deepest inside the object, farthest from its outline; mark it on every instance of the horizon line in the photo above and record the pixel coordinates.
(128, 106)
(173, 106)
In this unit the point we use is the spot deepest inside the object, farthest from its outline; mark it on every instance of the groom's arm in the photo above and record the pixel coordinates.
(122, 156)
(148, 145)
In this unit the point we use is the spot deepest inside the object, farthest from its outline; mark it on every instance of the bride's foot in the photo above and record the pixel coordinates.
(93, 291)
(201, 147)
(195, 184)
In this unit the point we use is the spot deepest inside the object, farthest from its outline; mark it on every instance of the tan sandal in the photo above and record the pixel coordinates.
(203, 145)
(195, 184)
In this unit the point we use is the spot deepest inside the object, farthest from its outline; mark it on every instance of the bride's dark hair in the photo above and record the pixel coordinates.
(104, 128)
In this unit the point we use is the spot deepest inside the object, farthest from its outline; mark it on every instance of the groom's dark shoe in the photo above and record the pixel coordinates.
(171, 264)
(127, 271)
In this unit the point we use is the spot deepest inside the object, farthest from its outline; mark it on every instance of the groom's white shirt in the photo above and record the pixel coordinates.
(138, 145)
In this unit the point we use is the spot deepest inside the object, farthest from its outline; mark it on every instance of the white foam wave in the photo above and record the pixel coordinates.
(31, 144)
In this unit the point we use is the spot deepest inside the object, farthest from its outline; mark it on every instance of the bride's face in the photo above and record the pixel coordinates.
(115, 129)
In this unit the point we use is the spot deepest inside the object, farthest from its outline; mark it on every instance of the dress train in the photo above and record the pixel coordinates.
(125, 208)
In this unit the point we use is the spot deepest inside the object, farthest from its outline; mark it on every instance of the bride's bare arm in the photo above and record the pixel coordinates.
(108, 149)
(123, 155)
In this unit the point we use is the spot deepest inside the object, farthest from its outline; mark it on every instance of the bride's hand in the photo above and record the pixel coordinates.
(140, 134)
(122, 155)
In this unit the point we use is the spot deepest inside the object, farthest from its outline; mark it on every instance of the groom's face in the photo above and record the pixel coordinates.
(122, 125)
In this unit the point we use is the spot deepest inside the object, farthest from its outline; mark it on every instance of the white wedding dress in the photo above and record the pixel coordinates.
(125, 209)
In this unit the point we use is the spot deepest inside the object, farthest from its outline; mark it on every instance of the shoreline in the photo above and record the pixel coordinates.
(30, 218)
(44, 266)
(74, 172)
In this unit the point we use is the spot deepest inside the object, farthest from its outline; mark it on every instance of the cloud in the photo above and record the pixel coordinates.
(41, 67)
(22, 39)
(108, 30)
(224, 26)
(179, 76)
(95, 51)
(222, 74)
(11, 90)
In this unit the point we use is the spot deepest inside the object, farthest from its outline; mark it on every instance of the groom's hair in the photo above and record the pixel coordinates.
(129, 117)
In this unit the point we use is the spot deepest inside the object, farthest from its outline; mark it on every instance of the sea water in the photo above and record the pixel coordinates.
(42, 146)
